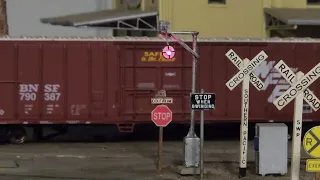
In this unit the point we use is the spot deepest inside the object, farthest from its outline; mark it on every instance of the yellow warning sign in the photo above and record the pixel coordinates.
(313, 165)
(155, 57)
(311, 142)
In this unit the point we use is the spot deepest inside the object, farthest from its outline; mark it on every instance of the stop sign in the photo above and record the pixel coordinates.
(161, 115)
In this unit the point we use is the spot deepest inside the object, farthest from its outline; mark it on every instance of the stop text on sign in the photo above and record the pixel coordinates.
(161, 115)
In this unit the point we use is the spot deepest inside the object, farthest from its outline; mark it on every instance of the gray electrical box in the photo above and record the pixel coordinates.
(271, 148)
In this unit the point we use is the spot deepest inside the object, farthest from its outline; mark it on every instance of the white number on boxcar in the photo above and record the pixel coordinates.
(51, 96)
(51, 92)
(28, 92)
(28, 96)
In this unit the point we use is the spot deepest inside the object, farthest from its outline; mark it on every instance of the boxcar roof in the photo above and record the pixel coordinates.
(158, 39)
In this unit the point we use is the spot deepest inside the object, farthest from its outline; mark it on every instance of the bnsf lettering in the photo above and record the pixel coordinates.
(28, 92)
(52, 92)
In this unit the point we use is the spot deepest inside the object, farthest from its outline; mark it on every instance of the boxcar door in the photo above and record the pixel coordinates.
(144, 72)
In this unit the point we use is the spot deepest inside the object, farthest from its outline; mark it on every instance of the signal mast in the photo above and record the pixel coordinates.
(3, 18)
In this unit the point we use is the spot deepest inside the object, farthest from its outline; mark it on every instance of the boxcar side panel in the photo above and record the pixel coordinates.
(59, 82)
(211, 78)
(8, 82)
(52, 80)
(112, 83)
(78, 85)
(29, 74)
(98, 81)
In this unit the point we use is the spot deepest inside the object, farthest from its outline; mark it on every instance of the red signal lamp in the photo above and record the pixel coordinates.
(168, 52)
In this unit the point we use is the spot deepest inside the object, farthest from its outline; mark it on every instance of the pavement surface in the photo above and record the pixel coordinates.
(122, 161)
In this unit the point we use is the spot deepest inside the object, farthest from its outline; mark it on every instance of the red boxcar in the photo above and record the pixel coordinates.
(111, 80)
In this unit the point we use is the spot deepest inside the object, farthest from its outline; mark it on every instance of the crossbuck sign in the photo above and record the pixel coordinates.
(238, 78)
(298, 91)
(237, 61)
(245, 75)
(298, 87)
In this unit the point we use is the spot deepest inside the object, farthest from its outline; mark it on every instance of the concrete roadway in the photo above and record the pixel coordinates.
(126, 160)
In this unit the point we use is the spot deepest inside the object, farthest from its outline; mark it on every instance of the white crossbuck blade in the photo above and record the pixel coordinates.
(290, 76)
(238, 78)
(238, 62)
(300, 86)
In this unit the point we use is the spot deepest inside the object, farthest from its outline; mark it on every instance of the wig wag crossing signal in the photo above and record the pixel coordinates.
(168, 52)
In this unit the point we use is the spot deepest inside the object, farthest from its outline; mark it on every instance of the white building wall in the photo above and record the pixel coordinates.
(24, 17)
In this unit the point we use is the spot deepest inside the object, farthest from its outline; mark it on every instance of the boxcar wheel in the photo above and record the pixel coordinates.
(17, 135)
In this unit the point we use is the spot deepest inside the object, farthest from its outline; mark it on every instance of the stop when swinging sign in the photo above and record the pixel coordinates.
(203, 101)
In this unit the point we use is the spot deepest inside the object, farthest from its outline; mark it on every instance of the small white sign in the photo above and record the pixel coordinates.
(298, 87)
(161, 100)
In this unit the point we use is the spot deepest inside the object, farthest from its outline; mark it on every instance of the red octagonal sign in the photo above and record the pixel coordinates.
(161, 115)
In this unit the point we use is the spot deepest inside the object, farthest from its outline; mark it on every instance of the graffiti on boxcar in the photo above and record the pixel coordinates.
(150, 56)
(171, 86)
(76, 108)
(28, 92)
(146, 85)
(2, 112)
(273, 77)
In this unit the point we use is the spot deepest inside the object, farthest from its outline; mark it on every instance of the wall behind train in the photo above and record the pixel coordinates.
(24, 17)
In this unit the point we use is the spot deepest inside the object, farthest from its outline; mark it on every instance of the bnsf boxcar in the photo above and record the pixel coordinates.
(67, 81)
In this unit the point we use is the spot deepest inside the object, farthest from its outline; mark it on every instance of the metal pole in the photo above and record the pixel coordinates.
(201, 141)
(184, 45)
(194, 68)
(185, 32)
(160, 148)
(192, 142)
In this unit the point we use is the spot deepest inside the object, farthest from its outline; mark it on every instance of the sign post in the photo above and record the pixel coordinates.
(202, 101)
(246, 76)
(298, 91)
(311, 144)
(191, 141)
(161, 116)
